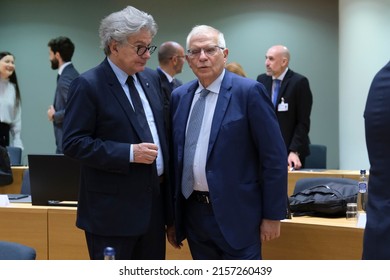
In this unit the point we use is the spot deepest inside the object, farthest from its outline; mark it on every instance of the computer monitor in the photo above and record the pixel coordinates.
(54, 179)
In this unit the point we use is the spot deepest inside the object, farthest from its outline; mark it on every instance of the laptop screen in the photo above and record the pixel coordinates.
(54, 179)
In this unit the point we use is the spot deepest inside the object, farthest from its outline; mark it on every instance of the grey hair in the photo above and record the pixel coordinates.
(198, 29)
(118, 26)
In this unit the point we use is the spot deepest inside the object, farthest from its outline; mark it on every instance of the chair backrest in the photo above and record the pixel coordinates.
(16, 251)
(305, 183)
(317, 157)
(26, 189)
(15, 155)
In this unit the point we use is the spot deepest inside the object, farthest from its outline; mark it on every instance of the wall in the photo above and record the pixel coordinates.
(364, 49)
(308, 28)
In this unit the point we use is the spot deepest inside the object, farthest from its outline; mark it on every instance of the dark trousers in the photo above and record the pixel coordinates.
(4, 134)
(148, 246)
(206, 240)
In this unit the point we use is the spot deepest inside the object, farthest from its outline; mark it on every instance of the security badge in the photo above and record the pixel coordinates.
(282, 107)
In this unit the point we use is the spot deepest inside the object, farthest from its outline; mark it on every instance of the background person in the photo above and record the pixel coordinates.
(376, 241)
(292, 104)
(61, 50)
(236, 68)
(171, 59)
(231, 189)
(114, 126)
(10, 103)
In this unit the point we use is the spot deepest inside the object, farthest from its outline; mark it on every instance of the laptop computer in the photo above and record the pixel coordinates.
(54, 179)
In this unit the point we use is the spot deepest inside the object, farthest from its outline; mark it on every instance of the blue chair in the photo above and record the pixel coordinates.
(15, 155)
(317, 157)
(16, 251)
(26, 189)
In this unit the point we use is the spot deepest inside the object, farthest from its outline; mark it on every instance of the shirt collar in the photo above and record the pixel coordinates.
(62, 67)
(281, 76)
(214, 86)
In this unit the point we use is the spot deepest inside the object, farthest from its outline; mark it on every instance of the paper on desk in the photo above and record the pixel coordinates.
(4, 201)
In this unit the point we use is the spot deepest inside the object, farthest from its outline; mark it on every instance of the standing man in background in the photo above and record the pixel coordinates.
(376, 242)
(229, 157)
(114, 126)
(171, 60)
(292, 98)
(61, 50)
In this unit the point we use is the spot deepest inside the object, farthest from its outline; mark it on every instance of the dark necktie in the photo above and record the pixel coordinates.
(276, 91)
(191, 141)
(58, 76)
(139, 109)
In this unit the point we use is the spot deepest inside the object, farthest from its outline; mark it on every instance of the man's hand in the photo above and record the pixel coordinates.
(269, 229)
(145, 153)
(171, 236)
(294, 161)
(50, 113)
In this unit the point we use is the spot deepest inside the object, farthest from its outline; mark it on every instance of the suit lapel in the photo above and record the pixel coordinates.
(119, 94)
(224, 97)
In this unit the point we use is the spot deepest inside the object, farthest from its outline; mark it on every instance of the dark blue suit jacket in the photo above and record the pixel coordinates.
(99, 126)
(376, 243)
(246, 159)
(60, 99)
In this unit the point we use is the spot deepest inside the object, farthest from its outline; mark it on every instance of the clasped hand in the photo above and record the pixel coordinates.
(145, 152)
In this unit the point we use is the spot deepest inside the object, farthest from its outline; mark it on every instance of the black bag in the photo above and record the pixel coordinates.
(5, 168)
(323, 200)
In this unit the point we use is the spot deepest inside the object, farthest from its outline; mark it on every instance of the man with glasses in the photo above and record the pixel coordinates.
(114, 126)
(229, 157)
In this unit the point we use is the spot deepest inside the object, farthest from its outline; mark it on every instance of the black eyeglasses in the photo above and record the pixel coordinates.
(141, 50)
(209, 51)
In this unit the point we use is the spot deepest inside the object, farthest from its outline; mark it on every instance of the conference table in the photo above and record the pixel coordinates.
(52, 232)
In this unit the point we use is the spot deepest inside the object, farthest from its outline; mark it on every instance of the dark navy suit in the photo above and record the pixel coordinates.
(60, 99)
(117, 198)
(376, 243)
(246, 159)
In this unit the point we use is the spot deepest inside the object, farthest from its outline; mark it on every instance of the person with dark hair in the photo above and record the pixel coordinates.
(114, 126)
(61, 50)
(10, 103)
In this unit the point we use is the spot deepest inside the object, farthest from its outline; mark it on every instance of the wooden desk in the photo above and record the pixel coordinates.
(294, 176)
(53, 233)
(15, 187)
(310, 238)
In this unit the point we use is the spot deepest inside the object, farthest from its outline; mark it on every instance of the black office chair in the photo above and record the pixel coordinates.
(317, 157)
(15, 155)
(16, 251)
(305, 183)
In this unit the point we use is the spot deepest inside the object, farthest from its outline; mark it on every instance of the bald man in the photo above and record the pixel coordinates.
(171, 59)
(293, 102)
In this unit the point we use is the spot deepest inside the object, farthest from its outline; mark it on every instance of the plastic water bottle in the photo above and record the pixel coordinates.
(363, 191)
(109, 253)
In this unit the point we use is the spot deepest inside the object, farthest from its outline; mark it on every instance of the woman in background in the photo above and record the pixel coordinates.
(10, 103)
(236, 68)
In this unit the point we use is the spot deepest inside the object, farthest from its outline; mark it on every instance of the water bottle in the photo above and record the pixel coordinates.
(363, 191)
(109, 253)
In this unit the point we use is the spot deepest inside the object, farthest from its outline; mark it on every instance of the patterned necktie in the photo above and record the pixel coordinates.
(192, 136)
(276, 91)
(139, 109)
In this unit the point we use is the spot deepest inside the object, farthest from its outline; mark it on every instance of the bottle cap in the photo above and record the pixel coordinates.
(362, 171)
(109, 251)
